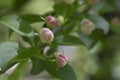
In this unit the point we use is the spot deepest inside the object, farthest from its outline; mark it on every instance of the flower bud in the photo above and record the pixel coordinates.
(51, 21)
(87, 26)
(46, 35)
(61, 60)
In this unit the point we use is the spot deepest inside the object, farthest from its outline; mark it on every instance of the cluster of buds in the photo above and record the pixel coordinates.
(87, 26)
(61, 60)
(47, 36)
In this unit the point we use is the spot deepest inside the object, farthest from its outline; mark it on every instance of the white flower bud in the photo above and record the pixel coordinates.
(46, 35)
(87, 26)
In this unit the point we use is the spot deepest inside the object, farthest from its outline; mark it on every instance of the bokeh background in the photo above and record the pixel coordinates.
(101, 62)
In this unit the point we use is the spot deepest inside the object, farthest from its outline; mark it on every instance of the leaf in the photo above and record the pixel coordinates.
(108, 6)
(19, 71)
(31, 18)
(21, 27)
(64, 73)
(8, 51)
(100, 23)
(4, 77)
(38, 66)
(104, 6)
(87, 40)
(18, 4)
(30, 52)
(115, 27)
(65, 9)
(68, 40)
(92, 39)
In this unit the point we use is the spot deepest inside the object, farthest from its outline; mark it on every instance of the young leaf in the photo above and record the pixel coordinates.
(19, 71)
(13, 22)
(30, 52)
(100, 23)
(65, 9)
(8, 50)
(31, 18)
(38, 66)
(64, 73)
(4, 77)
(18, 4)
(91, 40)
(115, 27)
(68, 40)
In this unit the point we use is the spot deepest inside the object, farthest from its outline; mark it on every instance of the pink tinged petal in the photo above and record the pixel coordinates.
(61, 62)
(51, 21)
(46, 35)
(63, 56)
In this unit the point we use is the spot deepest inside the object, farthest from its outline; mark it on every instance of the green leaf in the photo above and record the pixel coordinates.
(68, 40)
(18, 4)
(104, 6)
(4, 77)
(38, 66)
(65, 9)
(108, 6)
(31, 18)
(92, 39)
(8, 51)
(115, 27)
(21, 27)
(64, 73)
(19, 71)
(100, 23)
(87, 40)
(30, 52)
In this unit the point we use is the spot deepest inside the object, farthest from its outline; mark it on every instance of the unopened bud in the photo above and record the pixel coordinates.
(51, 21)
(87, 26)
(61, 60)
(46, 35)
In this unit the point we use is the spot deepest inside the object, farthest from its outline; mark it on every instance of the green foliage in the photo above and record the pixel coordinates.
(65, 73)
(68, 40)
(23, 44)
(28, 53)
(38, 66)
(19, 71)
(8, 50)
(4, 77)
(100, 23)
(14, 23)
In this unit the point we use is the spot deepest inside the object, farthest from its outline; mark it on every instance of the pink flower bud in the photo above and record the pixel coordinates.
(46, 35)
(87, 26)
(51, 21)
(61, 60)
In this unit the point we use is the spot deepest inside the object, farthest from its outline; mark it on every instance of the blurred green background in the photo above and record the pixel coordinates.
(102, 62)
